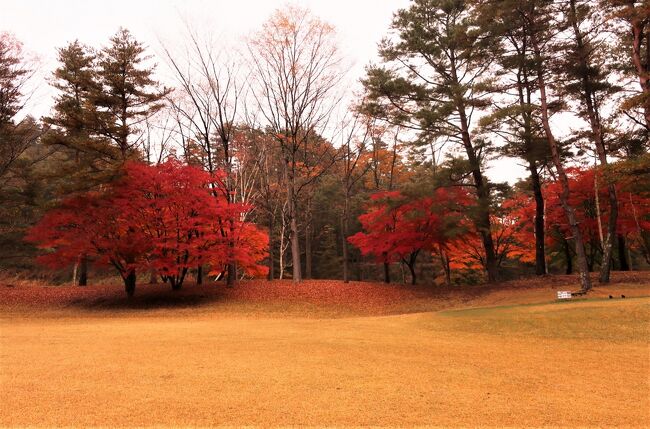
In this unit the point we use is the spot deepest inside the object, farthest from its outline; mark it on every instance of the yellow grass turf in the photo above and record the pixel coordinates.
(583, 363)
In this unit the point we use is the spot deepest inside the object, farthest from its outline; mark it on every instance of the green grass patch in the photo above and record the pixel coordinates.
(594, 319)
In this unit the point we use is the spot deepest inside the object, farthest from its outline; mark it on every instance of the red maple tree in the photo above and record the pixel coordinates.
(169, 217)
(398, 227)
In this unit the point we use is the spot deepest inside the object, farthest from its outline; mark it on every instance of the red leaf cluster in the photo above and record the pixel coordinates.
(397, 227)
(167, 217)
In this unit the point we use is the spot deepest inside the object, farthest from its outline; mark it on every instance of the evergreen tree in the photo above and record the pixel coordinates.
(72, 122)
(633, 31)
(542, 16)
(585, 70)
(127, 95)
(516, 115)
(431, 81)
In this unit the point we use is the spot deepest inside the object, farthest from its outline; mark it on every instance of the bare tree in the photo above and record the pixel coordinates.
(295, 64)
(16, 134)
(211, 89)
(356, 132)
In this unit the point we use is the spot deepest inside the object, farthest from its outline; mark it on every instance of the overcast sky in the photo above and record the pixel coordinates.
(44, 25)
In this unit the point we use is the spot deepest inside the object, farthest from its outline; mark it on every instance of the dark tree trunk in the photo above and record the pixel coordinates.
(83, 271)
(410, 263)
(585, 281)
(622, 253)
(608, 250)
(568, 257)
(540, 256)
(525, 89)
(199, 275)
(175, 283)
(231, 276)
(129, 283)
(386, 272)
(484, 227)
(591, 260)
(412, 270)
(482, 219)
(444, 260)
(153, 277)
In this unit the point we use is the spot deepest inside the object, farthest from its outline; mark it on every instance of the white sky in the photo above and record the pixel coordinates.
(44, 25)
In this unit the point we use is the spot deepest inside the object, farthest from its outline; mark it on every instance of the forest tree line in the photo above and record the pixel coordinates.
(393, 186)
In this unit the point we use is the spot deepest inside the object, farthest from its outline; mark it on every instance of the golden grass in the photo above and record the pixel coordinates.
(581, 363)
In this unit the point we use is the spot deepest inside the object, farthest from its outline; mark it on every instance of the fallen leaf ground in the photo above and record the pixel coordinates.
(326, 354)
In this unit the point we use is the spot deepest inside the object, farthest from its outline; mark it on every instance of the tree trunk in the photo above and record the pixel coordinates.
(344, 234)
(129, 283)
(271, 274)
(484, 225)
(410, 263)
(199, 275)
(412, 270)
(83, 271)
(153, 277)
(568, 257)
(622, 254)
(638, 27)
(231, 279)
(295, 237)
(525, 91)
(386, 272)
(540, 256)
(608, 247)
(585, 281)
(231, 276)
(593, 114)
(282, 247)
(295, 250)
(308, 254)
(444, 260)
(482, 220)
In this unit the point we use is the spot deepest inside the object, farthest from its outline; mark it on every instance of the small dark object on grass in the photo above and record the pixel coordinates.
(610, 297)
(622, 296)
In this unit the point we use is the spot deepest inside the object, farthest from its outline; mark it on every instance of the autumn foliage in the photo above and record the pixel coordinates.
(398, 227)
(169, 217)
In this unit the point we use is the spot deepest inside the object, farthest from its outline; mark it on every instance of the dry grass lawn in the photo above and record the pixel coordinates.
(583, 363)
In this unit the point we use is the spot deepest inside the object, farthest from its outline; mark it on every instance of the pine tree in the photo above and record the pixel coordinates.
(430, 81)
(633, 31)
(585, 70)
(72, 121)
(541, 16)
(128, 93)
(516, 116)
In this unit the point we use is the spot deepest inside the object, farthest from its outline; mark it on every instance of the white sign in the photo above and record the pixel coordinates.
(563, 294)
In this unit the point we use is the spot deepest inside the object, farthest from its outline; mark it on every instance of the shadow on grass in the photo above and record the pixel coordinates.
(151, 297)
